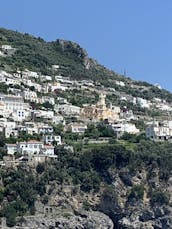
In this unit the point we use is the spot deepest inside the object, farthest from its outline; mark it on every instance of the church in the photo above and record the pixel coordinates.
(100, 111)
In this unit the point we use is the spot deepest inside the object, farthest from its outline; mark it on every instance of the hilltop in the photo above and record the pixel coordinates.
(38, 55)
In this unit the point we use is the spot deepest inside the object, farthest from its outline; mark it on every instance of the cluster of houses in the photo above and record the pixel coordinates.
(22, 110)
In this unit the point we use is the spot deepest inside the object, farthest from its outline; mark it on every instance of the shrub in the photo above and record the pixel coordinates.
(136, 192)
(159, 197)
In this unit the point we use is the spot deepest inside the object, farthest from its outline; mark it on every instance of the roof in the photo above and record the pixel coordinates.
(11, 145)
(31, 142)
(49, 146)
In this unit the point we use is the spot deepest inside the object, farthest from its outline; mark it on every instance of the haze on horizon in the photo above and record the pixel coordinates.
(122, 35)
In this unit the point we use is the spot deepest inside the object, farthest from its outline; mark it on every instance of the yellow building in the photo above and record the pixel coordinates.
(100, 111)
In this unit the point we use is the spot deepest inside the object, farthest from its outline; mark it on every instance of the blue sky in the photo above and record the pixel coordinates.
(121, 34)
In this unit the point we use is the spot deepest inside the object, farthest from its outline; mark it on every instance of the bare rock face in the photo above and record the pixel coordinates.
(83, 220)
(74, 48)
(141, 217)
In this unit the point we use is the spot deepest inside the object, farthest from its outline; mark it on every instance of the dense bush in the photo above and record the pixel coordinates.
(136, 193)
(159, 197)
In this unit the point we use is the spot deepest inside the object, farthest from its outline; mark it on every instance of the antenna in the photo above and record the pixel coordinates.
(125, 73)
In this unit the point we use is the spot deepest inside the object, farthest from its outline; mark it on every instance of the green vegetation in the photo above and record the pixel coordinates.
(87, 168)
(136, 193)
(159, 197)
(100, 130)
(3, 88)
(38, 55)
(91, 166)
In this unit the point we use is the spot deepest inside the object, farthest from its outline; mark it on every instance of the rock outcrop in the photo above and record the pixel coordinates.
(83, 220)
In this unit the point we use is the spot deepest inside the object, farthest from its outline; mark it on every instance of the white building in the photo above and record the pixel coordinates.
(10, 103)
(159, 130)
(45, 78)
(30, 148)
(30, 95)
(77, 128)
(11, 149)
(45, 129)
(28, 74)
(50, 139)
(48, 150)
(124, 127)
(44, 99)
(143, 102)
(58, 119)
(44, 114)
(120, 83)
(20, 115)
(6, 47)
(67, 109)
(9, 128)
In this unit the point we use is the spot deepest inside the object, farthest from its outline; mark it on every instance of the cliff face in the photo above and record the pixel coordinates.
(133, 208)
(124, 205)
(107, 187)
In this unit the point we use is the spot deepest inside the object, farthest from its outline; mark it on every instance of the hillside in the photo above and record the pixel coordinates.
(38, 55)
(81, 147)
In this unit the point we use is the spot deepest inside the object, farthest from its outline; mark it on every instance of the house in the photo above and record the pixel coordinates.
(20, 115)
(164, 107)
(44, 78)
(29, 74)
(11, 81)
(50, 139)
(58, 119)
(120, 83)
(44, 99)
(45, 129)
(121, 127)
(143, 102)
(77, 128)
(9, 128)
(7, 49)
(11, 149)
(67, 109)
(55, 67)
(48, 150)
(57, 86)
(44, 114)
(159, 130)
(11, 103)
(30, 148)
(29, 127)
(30, 95)
(10, 132)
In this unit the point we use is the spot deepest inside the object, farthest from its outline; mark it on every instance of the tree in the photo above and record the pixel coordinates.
(10, 214)
(58, 129)
(92, 131)
(48, 105)
(159, 197)
(40, 168)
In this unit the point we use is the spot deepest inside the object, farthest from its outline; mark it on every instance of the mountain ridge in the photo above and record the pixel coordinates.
(38, 55)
